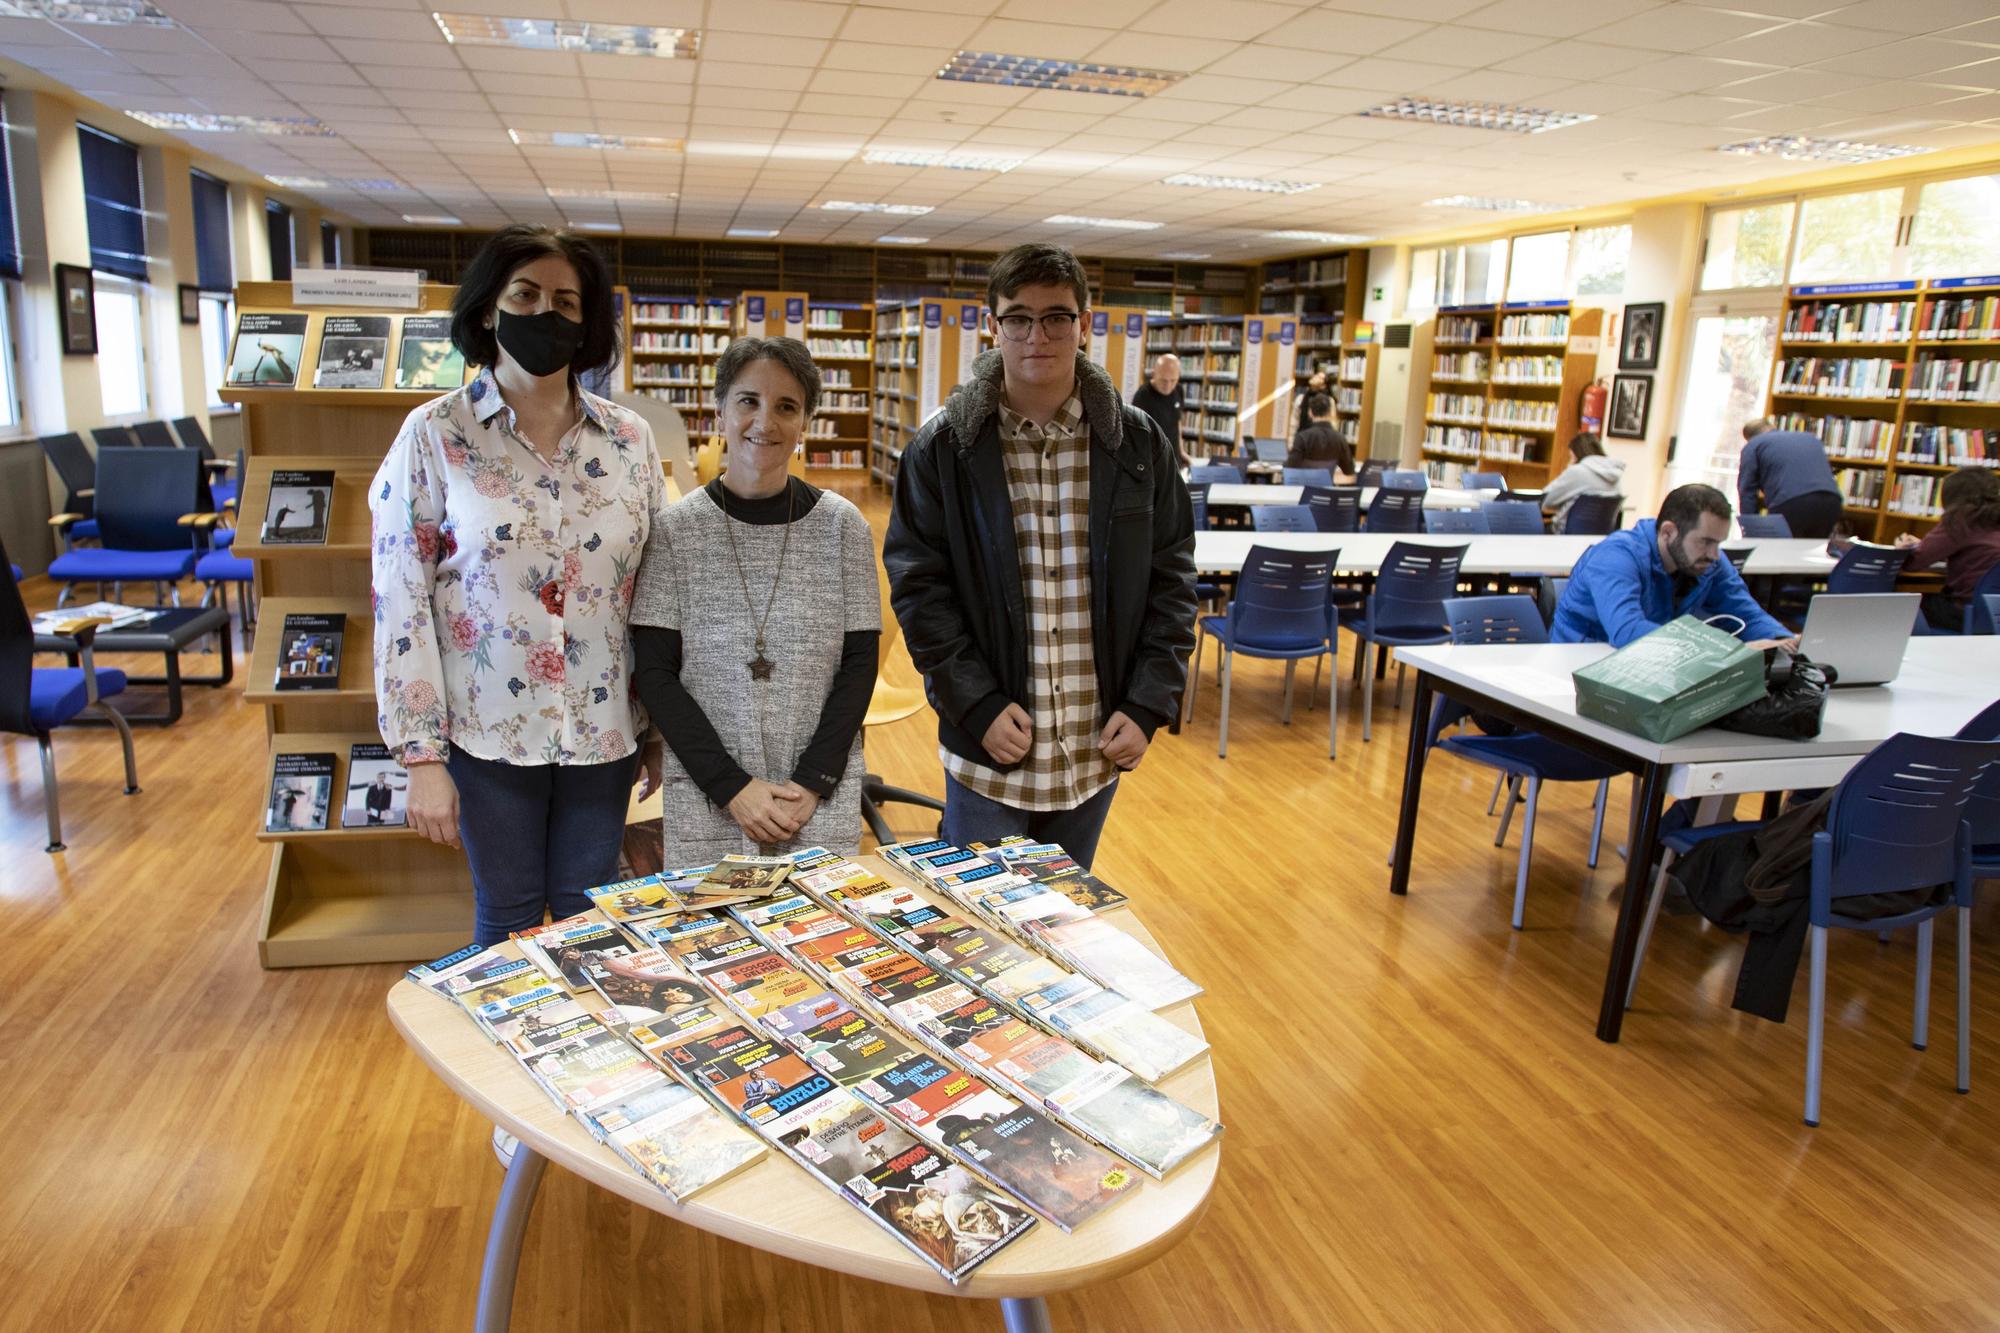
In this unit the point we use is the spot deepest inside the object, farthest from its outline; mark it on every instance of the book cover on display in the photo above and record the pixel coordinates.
(524, 1022)
(436, 975)
(353, 352)
(1111, 1025)
(675, 1138)
(568, 946)
(941, 1210)
(852, 1048)
(301, 793)
(1118, 962)
(630, 900)
(590, 1070)
(378, 788)
(642, 987)
(298, 508)
(309, 648)
(426, 358)
(267, 351)
(745, 878)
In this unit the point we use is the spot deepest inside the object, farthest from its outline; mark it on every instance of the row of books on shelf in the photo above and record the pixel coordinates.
(1860, 488)
(1841, 377)
(1460, 329)
(1322, 272)
(1528, 370)
(1513, 448)
(1466, 408)
(1916, 496)
(1961, 317)
(854, 459)
(1209, 427)
(1441, 472)
(1347, 400)
(1522, 412)
(839, 347)
(679, 395)
(661, 375)
(1851, 321)
(680, 312)
(836, 377)
(1938, 446)
(1461, 366)
(1537, 328)
(1844, 437)
(822, 428)
(1951, 379)
(843, 402)
(1320, 337)
(1354, 367)
(1455, 441)
(941, 1060)
(375, 793)
(820, 317)
(354, 351)
(684, 341)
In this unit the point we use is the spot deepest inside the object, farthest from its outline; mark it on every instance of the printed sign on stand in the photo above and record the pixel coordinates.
(933, 341)
(968, 341)
(795, 317)
(1135, 351)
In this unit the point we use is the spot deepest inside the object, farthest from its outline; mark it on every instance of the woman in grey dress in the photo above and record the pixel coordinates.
(756, 622)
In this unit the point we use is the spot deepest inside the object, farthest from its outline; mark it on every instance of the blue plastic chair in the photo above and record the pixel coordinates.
(1513, 517)
(1405, 481)
(142, 497)
(1309, 476)
(1405, 609)
(1482, 481)
(154, 435)
(1593, 515)
(1867, 569)
(1284, 518)
(1766, 526)
(1458, 522)
(1396, 511)
(1371, 471)
(1983, 616)
(112, 437)
(1522, 757)
(1983, 812)
(1198, 495)
(1214, 474)
(34, 701)
(1279, 612)
(1335, 508)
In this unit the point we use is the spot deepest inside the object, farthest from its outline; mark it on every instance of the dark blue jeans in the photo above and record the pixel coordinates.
(970, 817)
(537, 836)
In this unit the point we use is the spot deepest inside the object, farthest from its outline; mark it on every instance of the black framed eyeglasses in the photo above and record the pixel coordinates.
(1056, 325)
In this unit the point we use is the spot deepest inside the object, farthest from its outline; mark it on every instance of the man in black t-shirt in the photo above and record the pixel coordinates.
(1160, 397)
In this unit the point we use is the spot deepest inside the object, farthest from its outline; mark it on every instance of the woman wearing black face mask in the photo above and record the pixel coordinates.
(510, 516)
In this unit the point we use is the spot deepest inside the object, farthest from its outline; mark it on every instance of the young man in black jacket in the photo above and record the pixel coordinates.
(1041, 563)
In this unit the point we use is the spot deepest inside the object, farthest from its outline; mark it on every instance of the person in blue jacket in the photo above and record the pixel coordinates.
(1635, 581)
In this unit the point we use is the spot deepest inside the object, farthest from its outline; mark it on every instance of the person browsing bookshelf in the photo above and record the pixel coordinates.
(509, 520)
(1041, 563)
(1787, 470)
(757, 622)
(1321, 444)
(1160, 397)
(1636, 580)
(1966, 541)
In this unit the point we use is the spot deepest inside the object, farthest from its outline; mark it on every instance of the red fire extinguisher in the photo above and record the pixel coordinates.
(1591, 411)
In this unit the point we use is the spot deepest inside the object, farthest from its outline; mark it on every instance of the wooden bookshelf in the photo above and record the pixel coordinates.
(342, 895)
(1329, 294)
(1900, 381)
(1502, 388)
(1117, 344)
(671, 348)
(338, 744)
(841, 337)
(923, 350)
(1211, 351)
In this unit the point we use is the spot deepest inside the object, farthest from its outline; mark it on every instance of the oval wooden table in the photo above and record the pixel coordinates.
(774, 1205)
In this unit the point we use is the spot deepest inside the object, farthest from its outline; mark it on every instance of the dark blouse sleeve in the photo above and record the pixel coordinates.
(824, 761)
(657, 675)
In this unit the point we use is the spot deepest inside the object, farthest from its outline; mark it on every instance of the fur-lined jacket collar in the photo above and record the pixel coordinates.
(978, 400)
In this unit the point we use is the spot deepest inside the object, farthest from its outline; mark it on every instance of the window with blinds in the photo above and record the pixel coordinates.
(10, 244)
(114, 207)
(214, 269)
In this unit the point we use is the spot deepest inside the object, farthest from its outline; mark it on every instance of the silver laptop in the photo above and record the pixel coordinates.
(1860, 635)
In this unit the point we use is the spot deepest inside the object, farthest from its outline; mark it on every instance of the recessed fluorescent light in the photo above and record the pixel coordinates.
(1201, 182)
(1109, 224)
(1186, 254)
(615, 196)
(206, 123)
(1797, 147)
(297, 182)
(752, 233)
(593, 226)
(579, 139)
(902, 240)
(1070, 76)
(900, 210)
(801, 152)
(110, 12)
(431, 219)
(1488, 204)
(1321, 237)
(1477, 115)
(607, 39)
(901, 157)
(375, 185)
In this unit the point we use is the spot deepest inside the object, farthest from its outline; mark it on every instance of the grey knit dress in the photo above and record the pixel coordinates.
(827, 586)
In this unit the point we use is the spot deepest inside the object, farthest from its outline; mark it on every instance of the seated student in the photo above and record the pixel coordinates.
(1966, 541)
(1634, 581)
(1789, 471)
(1589, 473)
(1320, 443)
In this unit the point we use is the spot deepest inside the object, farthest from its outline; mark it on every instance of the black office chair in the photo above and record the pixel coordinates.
(112, 437)
(149, 515)
(155, 435)
(77, 471)
(193, 436)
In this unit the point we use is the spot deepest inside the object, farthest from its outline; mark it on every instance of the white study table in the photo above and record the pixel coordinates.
(1944, 683)
(1223, 552)
(1223, 493)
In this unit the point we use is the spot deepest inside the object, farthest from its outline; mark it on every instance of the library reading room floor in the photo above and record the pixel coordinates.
(1423, 1131)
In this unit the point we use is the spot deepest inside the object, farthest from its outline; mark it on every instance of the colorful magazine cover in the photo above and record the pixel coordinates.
(1114, 1027)
(426, 357)
(353, 352)
(941, 1210)
(748, 877)
(589, 1070)
(642, 987)
(1118, 962)
(675, 1138)
(268, 350)
(634, 899)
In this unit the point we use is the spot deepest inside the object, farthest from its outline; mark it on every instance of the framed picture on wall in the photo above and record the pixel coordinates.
(1639, 344)
(76, 309)
(190, 304)
(1631, 403)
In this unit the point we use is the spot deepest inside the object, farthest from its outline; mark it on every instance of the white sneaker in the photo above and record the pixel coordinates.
(504, 1145)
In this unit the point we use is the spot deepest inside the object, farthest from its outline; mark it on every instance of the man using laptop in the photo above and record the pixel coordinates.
(1634, 581)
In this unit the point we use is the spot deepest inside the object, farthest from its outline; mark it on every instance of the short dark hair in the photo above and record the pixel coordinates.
(789, 353)
(1584, 444)
(1685, 505)
(497, 261)
(1036, 264)
(1971, 500)
(1318, 405)
(1755, 427)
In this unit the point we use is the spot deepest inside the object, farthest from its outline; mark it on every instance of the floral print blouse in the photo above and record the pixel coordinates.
(502, 582)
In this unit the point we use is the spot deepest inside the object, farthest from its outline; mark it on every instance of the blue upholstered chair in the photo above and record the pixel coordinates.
(1866, 569)
(34, 701)
(1371, 471)
(1593, 515)
(1482, 481)
(142, 497)
(154, 435)
(1406, 608)
(1514, 518)
(1279, 612)
(1405, 481)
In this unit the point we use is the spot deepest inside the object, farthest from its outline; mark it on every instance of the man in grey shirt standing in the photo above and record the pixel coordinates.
(1787, 470)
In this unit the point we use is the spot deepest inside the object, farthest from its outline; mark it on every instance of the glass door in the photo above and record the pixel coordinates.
(1728, 383)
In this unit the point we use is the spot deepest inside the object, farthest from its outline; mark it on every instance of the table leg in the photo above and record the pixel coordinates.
(173, 688)
(1413, 782)
(503, 1241)
(1026, 1314)
(1651, 787)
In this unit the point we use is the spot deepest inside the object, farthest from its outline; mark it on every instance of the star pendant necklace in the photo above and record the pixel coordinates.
(761, 665)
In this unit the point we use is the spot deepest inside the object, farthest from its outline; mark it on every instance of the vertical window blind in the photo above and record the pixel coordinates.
(214, 269)
(278, 228)
(114, 209)
(329, 245)
(10, 244)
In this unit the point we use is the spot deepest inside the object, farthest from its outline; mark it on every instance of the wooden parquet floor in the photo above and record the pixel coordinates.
(1423, 1131)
